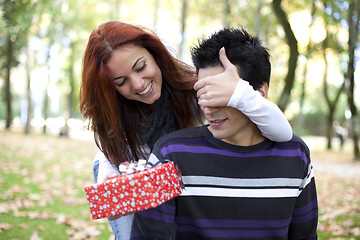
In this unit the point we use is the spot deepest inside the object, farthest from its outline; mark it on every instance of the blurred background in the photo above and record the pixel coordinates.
(314, 47)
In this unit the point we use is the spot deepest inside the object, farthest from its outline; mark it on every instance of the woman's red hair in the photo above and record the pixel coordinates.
(113, 118)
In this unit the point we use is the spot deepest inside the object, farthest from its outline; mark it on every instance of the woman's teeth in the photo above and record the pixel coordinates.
(218, 121)
(147, 89)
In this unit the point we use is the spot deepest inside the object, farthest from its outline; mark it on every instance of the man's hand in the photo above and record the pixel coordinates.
(216, 91)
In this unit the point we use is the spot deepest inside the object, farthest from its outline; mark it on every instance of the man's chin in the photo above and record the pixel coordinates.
(216, 133)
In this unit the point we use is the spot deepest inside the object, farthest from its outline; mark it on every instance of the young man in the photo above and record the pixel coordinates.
(238, 184)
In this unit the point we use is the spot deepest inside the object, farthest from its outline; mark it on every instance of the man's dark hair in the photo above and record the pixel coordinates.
(242, 49)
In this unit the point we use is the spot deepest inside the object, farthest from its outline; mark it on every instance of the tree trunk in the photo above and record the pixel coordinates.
(300, 121)
(293, 54)
(353, 21)
(117, 9)
(330, 117)
(28, 93)
(46, 97)
(329, 128)
(8, 97)
(183, 27)
(330, 103)
(258, 17)
(226, 13)
(155, 18)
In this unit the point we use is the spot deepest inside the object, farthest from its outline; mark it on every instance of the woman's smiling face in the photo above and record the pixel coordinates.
(135, 74)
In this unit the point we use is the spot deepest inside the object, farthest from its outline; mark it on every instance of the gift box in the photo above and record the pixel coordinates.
(133, 192)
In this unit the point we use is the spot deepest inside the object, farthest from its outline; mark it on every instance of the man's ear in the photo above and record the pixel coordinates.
(264, 90)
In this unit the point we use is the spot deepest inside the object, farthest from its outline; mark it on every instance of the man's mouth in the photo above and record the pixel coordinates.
(147, 89)
(217, 122)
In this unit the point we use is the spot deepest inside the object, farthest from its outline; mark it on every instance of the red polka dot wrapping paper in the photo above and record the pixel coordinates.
(133, 192)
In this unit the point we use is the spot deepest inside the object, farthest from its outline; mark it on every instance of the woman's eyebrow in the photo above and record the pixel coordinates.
(131, 67)
(136, 62)
(116, 78)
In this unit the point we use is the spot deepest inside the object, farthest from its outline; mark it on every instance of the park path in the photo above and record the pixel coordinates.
(336, 162)
(345, 170)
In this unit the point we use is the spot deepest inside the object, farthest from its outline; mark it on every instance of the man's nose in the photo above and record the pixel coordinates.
(210, 110)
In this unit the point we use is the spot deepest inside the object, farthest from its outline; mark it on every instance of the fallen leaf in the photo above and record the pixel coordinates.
(24, 225)
(35, 236)
(4, 208)
(355, 231)
(41, 228)
(5, 226)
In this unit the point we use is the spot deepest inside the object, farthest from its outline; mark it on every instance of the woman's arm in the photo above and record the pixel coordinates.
(228, 89)
(268, 117)
(106, 170)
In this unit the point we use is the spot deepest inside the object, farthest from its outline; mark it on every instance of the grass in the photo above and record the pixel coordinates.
(42, 180)
(338, 186)
(24, 227)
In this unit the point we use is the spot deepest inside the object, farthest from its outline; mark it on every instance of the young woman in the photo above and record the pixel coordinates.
(134, 91)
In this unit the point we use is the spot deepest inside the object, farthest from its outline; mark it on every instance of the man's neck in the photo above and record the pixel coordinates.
(248, 136)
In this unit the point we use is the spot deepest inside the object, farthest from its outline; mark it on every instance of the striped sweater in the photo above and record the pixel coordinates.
(264, 191)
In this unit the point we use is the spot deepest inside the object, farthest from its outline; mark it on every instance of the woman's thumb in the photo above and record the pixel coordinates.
(223, 58)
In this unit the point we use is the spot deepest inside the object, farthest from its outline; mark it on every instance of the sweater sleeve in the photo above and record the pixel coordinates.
(266, 115)
(305, 215)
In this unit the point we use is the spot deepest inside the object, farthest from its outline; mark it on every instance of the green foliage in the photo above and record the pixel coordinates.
(314, 124)
(63, 28)
(315, 115)
(16, 106)
(17, 19)
(2, 39)
(2, 107)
